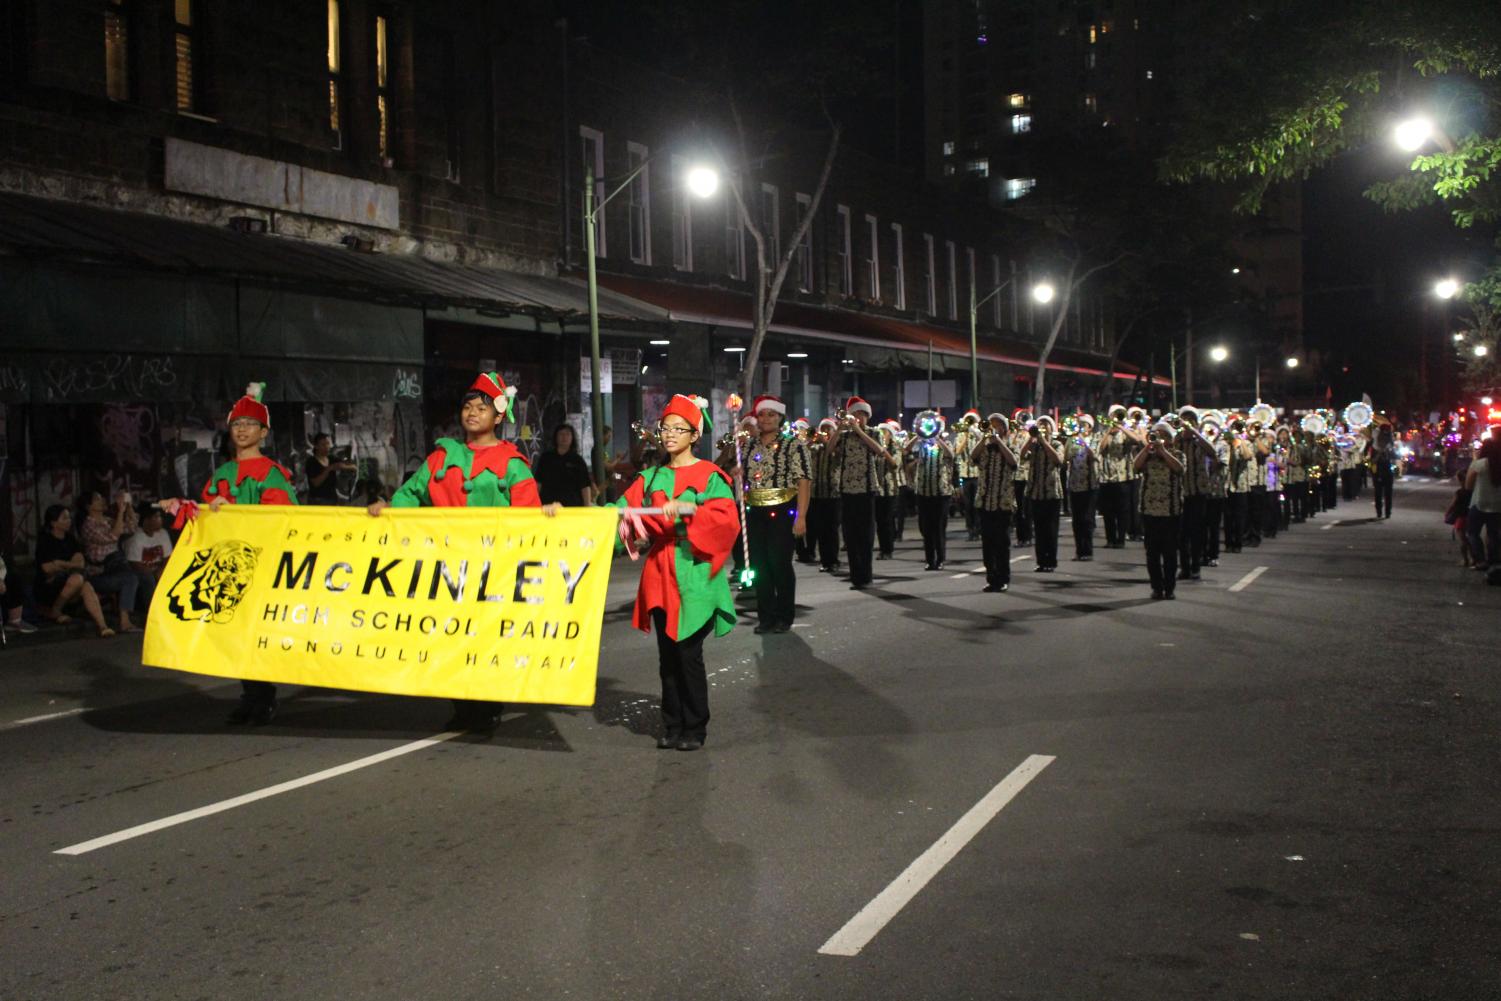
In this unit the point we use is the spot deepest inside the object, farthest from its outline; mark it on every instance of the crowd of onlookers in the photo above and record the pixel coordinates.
(1475, 511)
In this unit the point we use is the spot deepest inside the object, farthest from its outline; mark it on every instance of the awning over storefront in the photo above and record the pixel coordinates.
(40, 229)
(722, 307)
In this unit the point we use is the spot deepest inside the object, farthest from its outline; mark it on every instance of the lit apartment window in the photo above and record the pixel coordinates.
(948, 170)
(1017, 100)
(1094, 34)
(873, 258)
(948, 148)
(1021, 123)
(995, 283)
(931, 275)
(1091, 103)
(1090, 62)
(734, 237)
(117, 50)
(900, 260)
(1149, 74)
(335, 69)
(1016, 187)
(682, 217)
(805, 245)
(846, 262)
(592, 154)
(980, 167)
(638, 206)
(383, 86)
(186, 36)
(953, 277)
(771, 224)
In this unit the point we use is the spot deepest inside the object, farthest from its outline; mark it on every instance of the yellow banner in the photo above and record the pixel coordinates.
(500, 604)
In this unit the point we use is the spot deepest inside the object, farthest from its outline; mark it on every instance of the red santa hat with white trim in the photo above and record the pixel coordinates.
(250, 406)
(855, 403)
(693, 409)
(769, 402)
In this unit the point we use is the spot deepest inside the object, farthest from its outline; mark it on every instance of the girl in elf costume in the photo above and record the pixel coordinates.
(685, 588)
(480, 471)
(251, 478)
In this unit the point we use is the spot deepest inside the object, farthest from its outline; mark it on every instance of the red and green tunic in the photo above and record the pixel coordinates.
(251, 481)
(460, 475)
(685, 573)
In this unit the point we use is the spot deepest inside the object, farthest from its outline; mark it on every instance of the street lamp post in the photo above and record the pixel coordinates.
(703, 182)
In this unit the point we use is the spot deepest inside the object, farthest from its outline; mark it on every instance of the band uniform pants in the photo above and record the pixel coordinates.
(1256, 504)
(886, 523)
(1113, 498)
(1191, 534)
(995, 543)
(858, 517)
(968, 486)
(1081, 512)
(1023, 513)
(770, 531)
(823, 526)
(685, 684)
(1236, 507)
(1045, 531)
(933, 523)
(1214, 516)
(1384, 483)
(1161, 537)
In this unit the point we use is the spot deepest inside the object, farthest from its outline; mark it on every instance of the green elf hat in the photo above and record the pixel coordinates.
(250, 406)
(493, 386)
(693, 409)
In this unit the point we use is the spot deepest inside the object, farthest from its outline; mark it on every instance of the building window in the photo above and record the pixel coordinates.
(1016, 187)
(1094, 34)
(383, 87)
(995, 283)
(335, 72)
(187, 49)
(948, 148)
(805, 245)
(900, 260)
(639, 204)
(873, 258)
(1090, 60)
(846, 262)
(592, 150)
(771, 224)
(1021, 123)
(1149, 74)
(1091, 103)
(682, 217)
(980, 166)
(953, 277)
(734, 237)
(117, 50)
(1017, 100)
(948, 170)
(931, 275)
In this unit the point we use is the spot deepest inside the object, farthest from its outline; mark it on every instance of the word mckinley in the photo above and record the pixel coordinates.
(427, 579)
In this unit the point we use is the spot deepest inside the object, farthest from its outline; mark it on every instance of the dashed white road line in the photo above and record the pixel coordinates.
(860, 929)
(16, 724)
(1325, 528)
(250, 797)
(1018, 559)
(1245, 581)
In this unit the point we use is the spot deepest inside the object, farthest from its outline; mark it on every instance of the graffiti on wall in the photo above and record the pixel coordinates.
(132, 376)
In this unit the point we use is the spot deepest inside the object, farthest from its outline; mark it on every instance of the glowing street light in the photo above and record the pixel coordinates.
(1486, 401)
(1458, 337)
(1446, 289)
(1412, 133)
(703, 181)
(1043, 292)
(1481, 351)
(1291, 363)
(1219, 353)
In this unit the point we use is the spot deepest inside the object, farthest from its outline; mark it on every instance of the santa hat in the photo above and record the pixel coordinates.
(855, 403)
(1048, 420)
(1188, 413)
(501, 395)
(828, 422)
(1116, 411)
(250, 406)
(1163, 428)
(1086, 419)
(767, 402)
(998, 417)
(972, 412)
(693, 409)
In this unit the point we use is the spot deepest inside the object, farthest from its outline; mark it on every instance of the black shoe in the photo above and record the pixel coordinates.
(667, 741)
(993, 588)
(855, 587)
(930, 566)
(782, 627)
(883, 556)
(1211, 563)
(1183, 575)
(689, 744)
(1086, 559)
(1169, 595)
(241, 714)
(940, 565)
(762, 627)
(1195, 577)
(1156, 594)
(1039, 568)
(262, 714)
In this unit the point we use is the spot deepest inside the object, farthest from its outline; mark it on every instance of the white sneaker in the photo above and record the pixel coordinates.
(21, 626)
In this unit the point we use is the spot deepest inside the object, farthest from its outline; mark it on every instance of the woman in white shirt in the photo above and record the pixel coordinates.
(1484, 483)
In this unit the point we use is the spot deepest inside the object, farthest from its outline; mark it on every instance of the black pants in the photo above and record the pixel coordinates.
(1113, 499)
(823, 528)
(906, 502)
(995, 543)
(1256, 504)
(1297, 493)
(737, 555)
(1214, 514)
(933, 523)
(1271, 515)
(1350, 480)
(1133, 508)
(1384, 483)
(1023, 513)
(1331, 491)
(770, 531)
(886, 523)
(1045, 528)
(1191, 534)
(1236, 506)
(968, 486)
(1082, 505)
(685, 684)
(857, 513)
(1161, 536)
(258, 693)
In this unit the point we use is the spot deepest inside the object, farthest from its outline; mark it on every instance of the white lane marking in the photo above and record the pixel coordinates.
(1245, 581)
(1018, 559)
(251, 797)
(16, 724)
(860, 929)
(1325, 528)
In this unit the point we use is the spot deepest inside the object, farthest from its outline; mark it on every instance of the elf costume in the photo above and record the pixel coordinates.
(252, 481)
(460, 475)
(685, 588)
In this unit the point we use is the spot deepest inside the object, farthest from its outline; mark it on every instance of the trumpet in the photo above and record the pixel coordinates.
(646, 433)
(1069, 426)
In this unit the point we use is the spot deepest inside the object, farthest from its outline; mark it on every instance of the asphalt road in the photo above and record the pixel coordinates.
(1284, 792)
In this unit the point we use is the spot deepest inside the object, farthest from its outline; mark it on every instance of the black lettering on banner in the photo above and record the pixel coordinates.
(378, 573)
(303, 573)
(523, 580)
(571, 632)
(328, 578)
(357, 618)
(262, 643)
(455, 587)
(416, 576)
(571, 582)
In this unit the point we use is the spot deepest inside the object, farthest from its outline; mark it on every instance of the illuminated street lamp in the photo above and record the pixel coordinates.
(1043, 292)
(703, 181)
(1446, 289)
(1219, 353)
(1291, 363)
(1412, 133)
(1481, 351)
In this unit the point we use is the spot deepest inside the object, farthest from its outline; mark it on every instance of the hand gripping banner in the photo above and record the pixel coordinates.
(499, 604)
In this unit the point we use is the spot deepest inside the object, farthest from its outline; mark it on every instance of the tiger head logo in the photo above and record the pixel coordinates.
(214, 583)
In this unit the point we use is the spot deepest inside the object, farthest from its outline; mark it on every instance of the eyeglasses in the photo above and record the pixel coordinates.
(673, 429)
(245, 422)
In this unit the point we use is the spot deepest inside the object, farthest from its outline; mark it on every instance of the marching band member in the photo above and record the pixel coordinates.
(931, 466)
(1020, 439)
(994, 464)
(250, 478)
(1083, 463)
(1044, 490)
(1115, 477)
(480, 471)
(823, 508)
(1199, 459)
(1138, 420)
(777, 482)
(1161, 467)
(860, 461)
(1258, 499)
(1382, 459)
(970, 431)
(888, 492)
(1297, 474)
(1242, 478)
(1214, 498)
(1270, 457)
(685, 591)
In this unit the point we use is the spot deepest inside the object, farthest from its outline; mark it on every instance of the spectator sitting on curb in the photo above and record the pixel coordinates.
(104, 525)
(147, 550)
(10, 602)
(60, 568)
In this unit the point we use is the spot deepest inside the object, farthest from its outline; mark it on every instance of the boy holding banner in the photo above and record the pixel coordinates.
(685, 590)
(480, 471)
